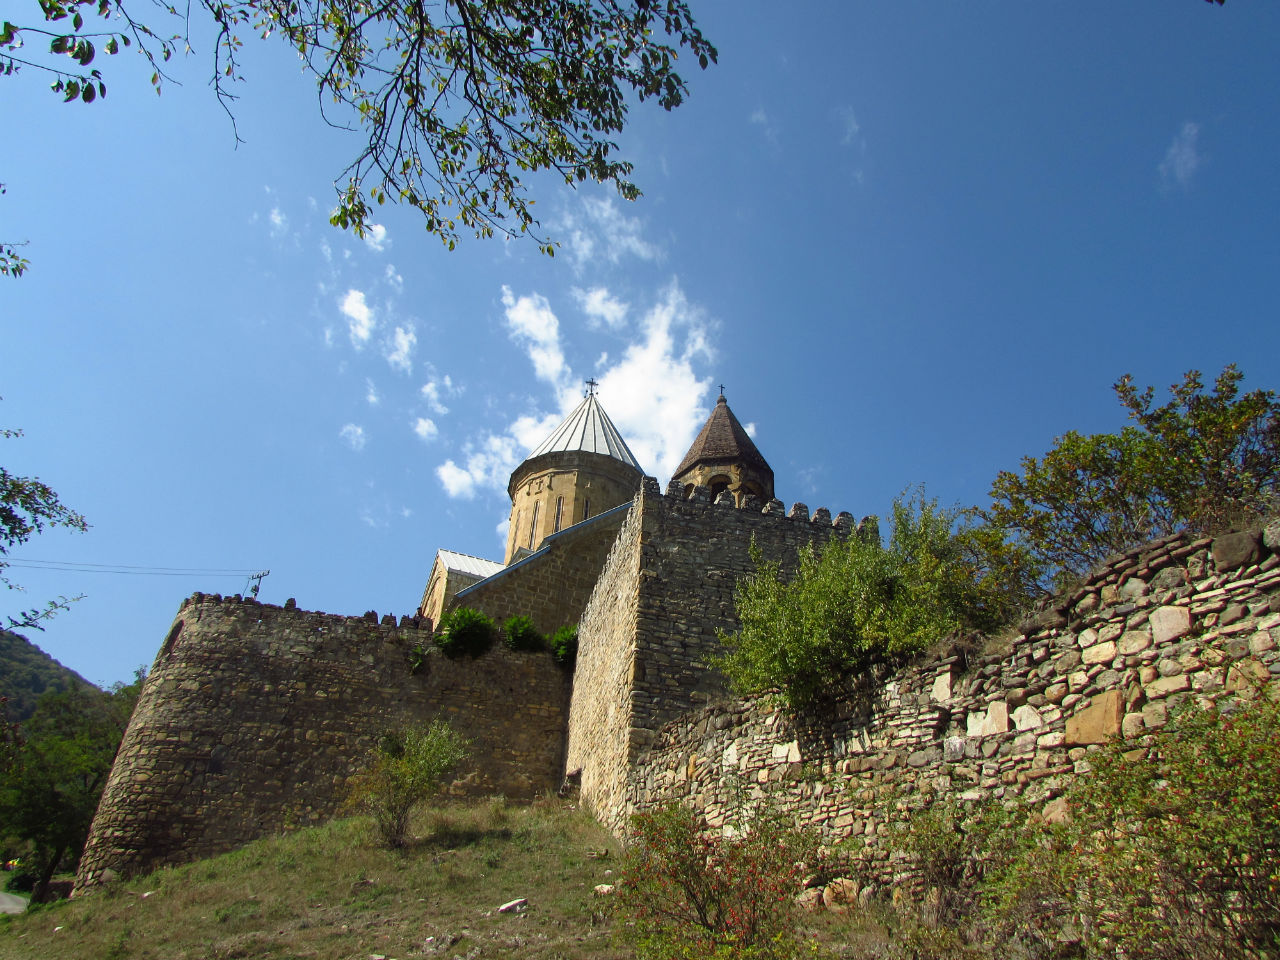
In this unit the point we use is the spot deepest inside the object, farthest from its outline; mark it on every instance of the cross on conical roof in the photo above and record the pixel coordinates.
(722, 440)
(588, 429)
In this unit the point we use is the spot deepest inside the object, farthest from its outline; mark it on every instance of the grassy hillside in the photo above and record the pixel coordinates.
(26, 672)
(332, 892)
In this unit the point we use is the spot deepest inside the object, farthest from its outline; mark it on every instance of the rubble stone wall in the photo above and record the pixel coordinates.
(1171, 624)
(254, 716)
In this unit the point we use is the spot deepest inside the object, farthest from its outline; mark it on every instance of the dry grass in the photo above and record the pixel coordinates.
(333, 893)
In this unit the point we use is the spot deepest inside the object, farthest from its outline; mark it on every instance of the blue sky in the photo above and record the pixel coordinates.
(915, 241)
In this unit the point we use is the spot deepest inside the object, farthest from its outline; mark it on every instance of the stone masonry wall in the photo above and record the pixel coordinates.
(656, 624)
(599, 742)
(551, 586)
(1176, 622)
(254, 716)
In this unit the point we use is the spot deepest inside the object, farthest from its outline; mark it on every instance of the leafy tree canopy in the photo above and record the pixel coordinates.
(1200, 461)
(54, 768)
(857, 603)
(460, 100)
(28, 506)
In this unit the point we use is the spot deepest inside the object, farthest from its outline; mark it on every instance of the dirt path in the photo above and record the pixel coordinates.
(11, 904)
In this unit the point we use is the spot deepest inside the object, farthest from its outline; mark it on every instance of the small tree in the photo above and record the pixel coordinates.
(857, 603)
(410, 766)
(693, 894)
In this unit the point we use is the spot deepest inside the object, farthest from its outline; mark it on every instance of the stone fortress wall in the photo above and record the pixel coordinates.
(254, 716)
(1178, 620)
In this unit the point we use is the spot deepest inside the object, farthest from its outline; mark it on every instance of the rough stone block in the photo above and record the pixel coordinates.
(1231, 551)
(941, 690)
(995, 720)
(1170, 623)
(1027, 718)
(1099, 653)
(1167, 685)
(1098, 722)
(1133, 641)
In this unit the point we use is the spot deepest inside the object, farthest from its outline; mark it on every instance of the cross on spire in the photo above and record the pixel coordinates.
(591, 386)
(722, 391)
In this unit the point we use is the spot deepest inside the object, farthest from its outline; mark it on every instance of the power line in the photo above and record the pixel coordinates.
(68, 566)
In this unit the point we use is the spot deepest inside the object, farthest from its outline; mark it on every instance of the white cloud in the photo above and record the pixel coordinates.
(762, 120)
(458, 483)
(394, 279)
(600, 307)
(532, 323)
(279, 222)
(326, 251)
(653, 393)
(399, 348)
(751, 429)
(353, 435)
(604, 231)
(848, 125)
(371, 393)
(360, 319)
(425, 429)
(1182, 159)
(431, 392)
(376, 239)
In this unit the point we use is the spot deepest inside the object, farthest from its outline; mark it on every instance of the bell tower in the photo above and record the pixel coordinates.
(724, 458)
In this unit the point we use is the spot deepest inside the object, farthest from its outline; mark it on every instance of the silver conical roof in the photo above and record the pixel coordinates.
(588, 429)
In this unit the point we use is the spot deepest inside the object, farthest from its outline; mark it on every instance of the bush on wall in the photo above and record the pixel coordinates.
(519, 633)
(465, 633)
(564, 644)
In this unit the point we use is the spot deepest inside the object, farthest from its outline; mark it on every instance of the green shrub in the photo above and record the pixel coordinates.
(519, 633)
(564, 644)
(1175, 855)
(465, 633)
(855, 604)
(686, 892)
(408, 768)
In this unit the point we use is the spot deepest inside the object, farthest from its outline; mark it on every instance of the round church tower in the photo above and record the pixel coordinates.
(724, 458)
(581, 470)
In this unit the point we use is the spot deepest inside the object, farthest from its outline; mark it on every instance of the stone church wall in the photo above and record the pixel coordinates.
(652, 624)
(1174, 623)
(254, 716)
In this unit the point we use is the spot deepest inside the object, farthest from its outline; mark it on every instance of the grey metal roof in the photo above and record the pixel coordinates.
(465, 563)
(588, 429)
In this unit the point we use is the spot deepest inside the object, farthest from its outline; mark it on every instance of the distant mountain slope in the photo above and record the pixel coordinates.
(26, 672)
